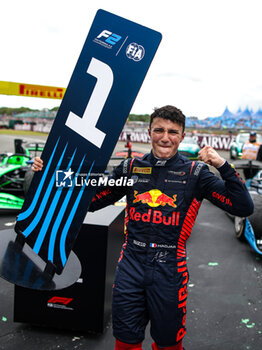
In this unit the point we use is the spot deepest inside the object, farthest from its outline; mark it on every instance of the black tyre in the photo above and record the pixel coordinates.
(240, 224)
(27, 180)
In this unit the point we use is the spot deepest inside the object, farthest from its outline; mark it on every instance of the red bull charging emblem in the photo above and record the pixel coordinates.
(154, 198)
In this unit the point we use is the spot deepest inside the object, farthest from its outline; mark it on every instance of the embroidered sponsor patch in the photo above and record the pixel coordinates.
(125, 166)
(142, 170)
(143, 180)
(176, 181)
(136, 179)
(179, 173)
(161, 163)
(198, 168)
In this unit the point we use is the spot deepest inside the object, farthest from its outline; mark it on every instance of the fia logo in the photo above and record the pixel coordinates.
(135, 52)
(111, 38)
(63, 178)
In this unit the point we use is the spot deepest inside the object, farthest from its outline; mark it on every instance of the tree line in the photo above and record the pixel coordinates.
(14, 111)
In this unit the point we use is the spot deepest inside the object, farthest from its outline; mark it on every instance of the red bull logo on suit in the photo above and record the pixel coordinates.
(154, 198)
(154, 216)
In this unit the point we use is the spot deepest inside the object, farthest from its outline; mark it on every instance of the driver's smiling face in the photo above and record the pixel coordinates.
(166, 137)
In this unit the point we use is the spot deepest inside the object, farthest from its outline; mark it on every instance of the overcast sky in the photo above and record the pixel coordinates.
(210, 56)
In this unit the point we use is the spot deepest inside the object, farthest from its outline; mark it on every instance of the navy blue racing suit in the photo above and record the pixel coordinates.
(162, 206)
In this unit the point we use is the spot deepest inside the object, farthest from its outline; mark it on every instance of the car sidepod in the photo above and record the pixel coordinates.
(250, 236)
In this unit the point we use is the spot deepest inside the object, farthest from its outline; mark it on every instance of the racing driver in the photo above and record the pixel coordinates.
(162, 205)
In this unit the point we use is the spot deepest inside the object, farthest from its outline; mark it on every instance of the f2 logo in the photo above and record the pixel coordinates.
(112, 38)
(86, 125)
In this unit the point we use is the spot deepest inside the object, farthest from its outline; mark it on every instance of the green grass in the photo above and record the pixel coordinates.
(20, 132)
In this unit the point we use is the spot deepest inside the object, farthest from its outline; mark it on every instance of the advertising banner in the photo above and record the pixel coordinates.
(31, 90)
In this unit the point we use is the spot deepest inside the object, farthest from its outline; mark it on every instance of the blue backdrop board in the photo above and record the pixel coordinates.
(108, 75)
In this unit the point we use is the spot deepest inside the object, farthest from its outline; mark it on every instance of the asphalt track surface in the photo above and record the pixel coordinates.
(224, 310)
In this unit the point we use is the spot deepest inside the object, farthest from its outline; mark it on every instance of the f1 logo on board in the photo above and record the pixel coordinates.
(60, 300)
(107, 39)
(59, 303)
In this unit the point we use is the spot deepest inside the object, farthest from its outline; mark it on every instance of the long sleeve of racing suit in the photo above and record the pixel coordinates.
(230, 193)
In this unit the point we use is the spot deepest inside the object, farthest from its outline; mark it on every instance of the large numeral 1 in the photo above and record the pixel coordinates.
(86, 126)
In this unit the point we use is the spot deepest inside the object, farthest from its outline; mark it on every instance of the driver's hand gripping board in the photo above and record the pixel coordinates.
(105, 82)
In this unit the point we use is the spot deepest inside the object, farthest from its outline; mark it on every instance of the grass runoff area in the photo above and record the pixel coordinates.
(20, 132)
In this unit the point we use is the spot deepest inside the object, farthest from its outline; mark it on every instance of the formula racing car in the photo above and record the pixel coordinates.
(250, 228)
(16, 174)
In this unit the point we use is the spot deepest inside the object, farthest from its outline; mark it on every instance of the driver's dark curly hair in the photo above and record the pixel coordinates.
(171, 113)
